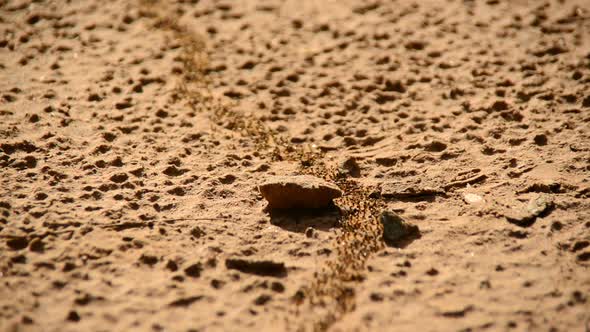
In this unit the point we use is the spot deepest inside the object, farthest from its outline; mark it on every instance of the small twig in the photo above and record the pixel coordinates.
(463, 183)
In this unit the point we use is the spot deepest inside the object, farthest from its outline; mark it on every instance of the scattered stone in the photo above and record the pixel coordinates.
(472, 198)
(402, 190)
(350, 167)
(300, 191)
(262, 268)
(395, 229)
(526, 216)
(538, 205)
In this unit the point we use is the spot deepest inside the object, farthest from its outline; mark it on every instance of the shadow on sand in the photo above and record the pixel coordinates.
(402, 243)
(298, 220)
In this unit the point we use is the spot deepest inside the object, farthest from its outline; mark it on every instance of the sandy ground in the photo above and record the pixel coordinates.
(133, 136)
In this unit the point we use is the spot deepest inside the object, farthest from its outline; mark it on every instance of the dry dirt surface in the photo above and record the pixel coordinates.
(134, 134)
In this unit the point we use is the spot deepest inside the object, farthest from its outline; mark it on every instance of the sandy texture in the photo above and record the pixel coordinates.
(133, 136)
